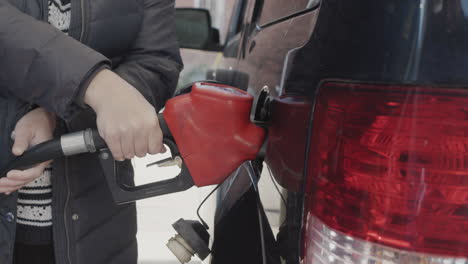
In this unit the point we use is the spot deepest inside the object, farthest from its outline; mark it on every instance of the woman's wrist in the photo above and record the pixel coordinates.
(80, 96)
(96, 89)
(107, 86)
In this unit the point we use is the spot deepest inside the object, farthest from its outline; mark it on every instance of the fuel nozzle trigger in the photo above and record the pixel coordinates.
(168, 162)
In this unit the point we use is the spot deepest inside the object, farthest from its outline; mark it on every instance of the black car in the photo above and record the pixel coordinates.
(366, 106)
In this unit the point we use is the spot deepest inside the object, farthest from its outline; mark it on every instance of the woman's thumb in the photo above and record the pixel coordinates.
(22, 139)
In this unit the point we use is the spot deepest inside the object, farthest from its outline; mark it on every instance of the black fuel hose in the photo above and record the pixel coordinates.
(86, 141)
(35, 155)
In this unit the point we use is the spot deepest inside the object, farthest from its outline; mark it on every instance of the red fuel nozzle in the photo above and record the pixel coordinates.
(212, 129)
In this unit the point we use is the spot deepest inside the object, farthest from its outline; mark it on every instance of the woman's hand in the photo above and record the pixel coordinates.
(125, 119)
(35, 127)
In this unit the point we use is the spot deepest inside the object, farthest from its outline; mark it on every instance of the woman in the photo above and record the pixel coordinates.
(66, 66)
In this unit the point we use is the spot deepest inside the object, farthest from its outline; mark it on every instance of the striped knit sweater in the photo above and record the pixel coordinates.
(34, 214)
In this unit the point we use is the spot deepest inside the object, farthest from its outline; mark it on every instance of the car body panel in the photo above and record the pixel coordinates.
(422, 42)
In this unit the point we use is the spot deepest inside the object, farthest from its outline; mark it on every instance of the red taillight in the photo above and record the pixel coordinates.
(389, 165)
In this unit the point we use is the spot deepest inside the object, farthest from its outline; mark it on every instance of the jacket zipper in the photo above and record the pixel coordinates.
(83, 21)
(67, 200)
(44, 10)
(61, 197)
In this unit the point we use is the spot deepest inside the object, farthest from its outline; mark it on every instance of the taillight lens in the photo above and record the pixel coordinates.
(388, 166)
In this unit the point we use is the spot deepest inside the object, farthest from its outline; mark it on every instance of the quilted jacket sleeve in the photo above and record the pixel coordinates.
(41, 65)
(153, 63)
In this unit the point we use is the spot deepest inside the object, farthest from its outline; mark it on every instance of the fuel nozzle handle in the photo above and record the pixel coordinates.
(89, 141)
(164, 127)
(124, 193)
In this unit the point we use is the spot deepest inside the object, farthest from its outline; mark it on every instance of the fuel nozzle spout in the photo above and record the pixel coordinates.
(261, 109)
(192, 238)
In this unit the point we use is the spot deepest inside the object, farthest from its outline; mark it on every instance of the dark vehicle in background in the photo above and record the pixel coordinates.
(367, 130)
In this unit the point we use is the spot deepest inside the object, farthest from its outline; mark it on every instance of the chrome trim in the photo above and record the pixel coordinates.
(326, 245)
(73, 143)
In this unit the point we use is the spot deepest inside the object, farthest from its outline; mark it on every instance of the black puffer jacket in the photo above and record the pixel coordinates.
(40, 65)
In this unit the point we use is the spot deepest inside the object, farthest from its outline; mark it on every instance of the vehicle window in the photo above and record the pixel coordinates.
(237, 17)
(276, 9)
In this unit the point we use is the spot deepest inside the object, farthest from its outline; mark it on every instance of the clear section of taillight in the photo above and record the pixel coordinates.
(328, 246)
(388, 165)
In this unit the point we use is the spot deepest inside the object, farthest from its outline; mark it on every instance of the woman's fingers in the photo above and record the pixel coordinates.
(26, 175)
(113, 142)
(8, 183)
(135, 141)
(33, 128)
(155, 144)
(16, 179)
(141, 143)
(22, 140)
(127, 143)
